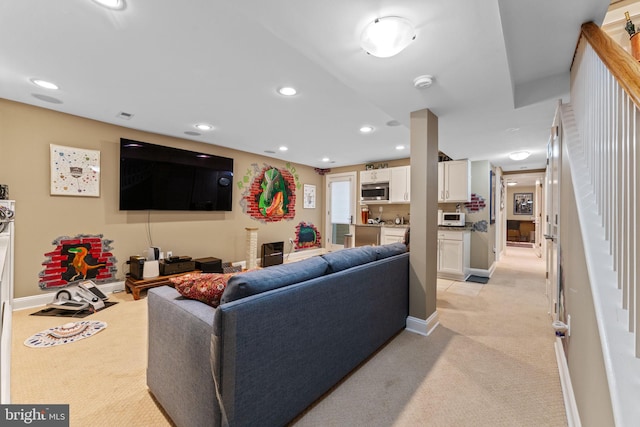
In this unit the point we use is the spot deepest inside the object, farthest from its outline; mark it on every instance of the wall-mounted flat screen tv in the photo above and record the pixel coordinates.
(154, 177)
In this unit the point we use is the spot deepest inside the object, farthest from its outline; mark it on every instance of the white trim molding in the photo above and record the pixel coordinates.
(482, 272)
(573, 417)
(423, 327)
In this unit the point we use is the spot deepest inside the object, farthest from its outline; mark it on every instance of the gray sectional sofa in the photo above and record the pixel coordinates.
(281, 337)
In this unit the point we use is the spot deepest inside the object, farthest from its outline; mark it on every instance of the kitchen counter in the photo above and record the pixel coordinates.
(391, 225)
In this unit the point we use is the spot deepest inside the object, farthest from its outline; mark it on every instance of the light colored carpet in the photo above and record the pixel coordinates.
(491, 362)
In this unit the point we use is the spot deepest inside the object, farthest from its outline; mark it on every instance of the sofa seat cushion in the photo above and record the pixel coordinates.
(274, 277)
(391, 249)
(204, 287)
(347, 258)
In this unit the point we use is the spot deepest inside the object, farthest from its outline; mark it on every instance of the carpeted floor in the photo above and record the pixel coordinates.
(491, 362)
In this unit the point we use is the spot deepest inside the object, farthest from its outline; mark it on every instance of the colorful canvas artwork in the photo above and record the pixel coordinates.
(307, 236)
(74, 171)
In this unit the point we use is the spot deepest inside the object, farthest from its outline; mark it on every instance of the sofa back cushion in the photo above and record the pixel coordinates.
(277, 276)
(347, 258)
(391, 249)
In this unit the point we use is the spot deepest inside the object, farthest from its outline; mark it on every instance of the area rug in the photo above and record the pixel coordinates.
(65, 334)
(478, 279)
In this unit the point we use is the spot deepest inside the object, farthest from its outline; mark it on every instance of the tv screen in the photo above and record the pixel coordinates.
(154, 177)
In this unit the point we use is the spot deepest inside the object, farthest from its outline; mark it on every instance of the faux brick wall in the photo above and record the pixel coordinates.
(252, 198)
(57, 264)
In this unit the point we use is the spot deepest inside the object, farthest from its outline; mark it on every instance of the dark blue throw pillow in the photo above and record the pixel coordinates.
(347, 258)
(274, 277)
(392, 249)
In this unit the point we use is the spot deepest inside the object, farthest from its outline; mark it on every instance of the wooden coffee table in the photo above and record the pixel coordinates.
(134, 286)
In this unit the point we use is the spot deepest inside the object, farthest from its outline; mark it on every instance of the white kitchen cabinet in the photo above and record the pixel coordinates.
(392, 235)
(374, 176)
(454, 181)
(454, 254)
(400, 185)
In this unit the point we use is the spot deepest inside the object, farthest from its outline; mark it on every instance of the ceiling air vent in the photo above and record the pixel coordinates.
(124, 116)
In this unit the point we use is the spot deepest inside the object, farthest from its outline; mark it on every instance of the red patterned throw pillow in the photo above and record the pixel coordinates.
(203, 287)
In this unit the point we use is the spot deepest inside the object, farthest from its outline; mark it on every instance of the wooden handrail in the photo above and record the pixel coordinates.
(621, 65)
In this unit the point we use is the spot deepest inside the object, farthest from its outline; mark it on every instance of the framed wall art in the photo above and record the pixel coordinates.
(74, 171)
(309, 196)
(523, 204)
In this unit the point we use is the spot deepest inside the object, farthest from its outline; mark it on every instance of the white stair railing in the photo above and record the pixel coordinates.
(602, 127)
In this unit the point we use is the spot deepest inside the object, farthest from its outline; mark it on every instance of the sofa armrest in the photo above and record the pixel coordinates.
(179, 369)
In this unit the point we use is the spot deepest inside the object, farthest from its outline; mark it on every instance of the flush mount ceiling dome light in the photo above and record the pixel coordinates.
(111, 4)
(519, 155)
(387, 36)
(45, 84)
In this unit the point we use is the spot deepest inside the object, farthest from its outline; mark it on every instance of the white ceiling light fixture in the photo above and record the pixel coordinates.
(400, 147)
(45, 84)
(325, 159)
(287, 91)
(204, 126)
(111, 4)
(512, 183)
(283, 148)
(366, 129)
(519, 155)
(387, 36)
(423, 82)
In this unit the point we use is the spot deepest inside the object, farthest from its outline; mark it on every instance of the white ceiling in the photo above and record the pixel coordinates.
(499, 66)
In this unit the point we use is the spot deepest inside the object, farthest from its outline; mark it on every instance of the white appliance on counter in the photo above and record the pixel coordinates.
(452, 219)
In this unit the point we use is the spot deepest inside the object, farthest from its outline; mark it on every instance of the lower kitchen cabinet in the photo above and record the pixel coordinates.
(454, 253)
(392, 235)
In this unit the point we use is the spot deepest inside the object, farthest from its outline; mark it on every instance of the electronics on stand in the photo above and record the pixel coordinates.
(176, 265)
(209, 265)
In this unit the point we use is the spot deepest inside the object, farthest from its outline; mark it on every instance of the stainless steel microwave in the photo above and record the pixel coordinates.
(374, 192)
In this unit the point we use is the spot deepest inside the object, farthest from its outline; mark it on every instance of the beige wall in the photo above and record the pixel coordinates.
(583, 349)
(25, 135)
(482, 243)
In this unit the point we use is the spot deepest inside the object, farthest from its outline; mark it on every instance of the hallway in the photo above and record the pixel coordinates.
(490, 362)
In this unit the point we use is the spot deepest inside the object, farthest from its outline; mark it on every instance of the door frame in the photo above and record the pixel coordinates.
(352, 177)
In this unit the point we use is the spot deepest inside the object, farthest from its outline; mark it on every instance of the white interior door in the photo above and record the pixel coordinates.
(552, 218)
(341, 208)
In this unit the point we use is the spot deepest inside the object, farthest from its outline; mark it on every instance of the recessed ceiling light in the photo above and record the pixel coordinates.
(512, 129)
(400, 147)
(282, 148)
(393, 123)
(387, 36)
(519, 155)
(204, 126)
(111, 4)
(192, 133)
(325, 159)
(512, 183)
(366, 129)
(287, 91)
(45, 84)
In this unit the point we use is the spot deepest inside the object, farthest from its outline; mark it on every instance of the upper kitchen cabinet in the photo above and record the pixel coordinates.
(375, 176)
(400, 185)
(454, 181)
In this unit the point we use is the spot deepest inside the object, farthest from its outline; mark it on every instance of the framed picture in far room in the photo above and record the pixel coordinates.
(523, 204)
(309, 196)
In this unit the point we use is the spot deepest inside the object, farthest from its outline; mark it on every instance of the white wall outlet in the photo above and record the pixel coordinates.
(169, 254)
(291, 240)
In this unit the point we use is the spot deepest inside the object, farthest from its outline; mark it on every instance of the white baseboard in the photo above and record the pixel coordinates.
(300, 255)
(573, 417)
(47, 297)
(423, 327)
(482, 272)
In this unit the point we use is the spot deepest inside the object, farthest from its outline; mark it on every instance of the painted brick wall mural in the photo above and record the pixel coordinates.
(269, 193)
(307, 236)
(83, 257)
(476, 204)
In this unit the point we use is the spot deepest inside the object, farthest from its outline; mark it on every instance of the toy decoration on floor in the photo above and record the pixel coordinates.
(65, 334)
(76, 301)
(83, 257)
